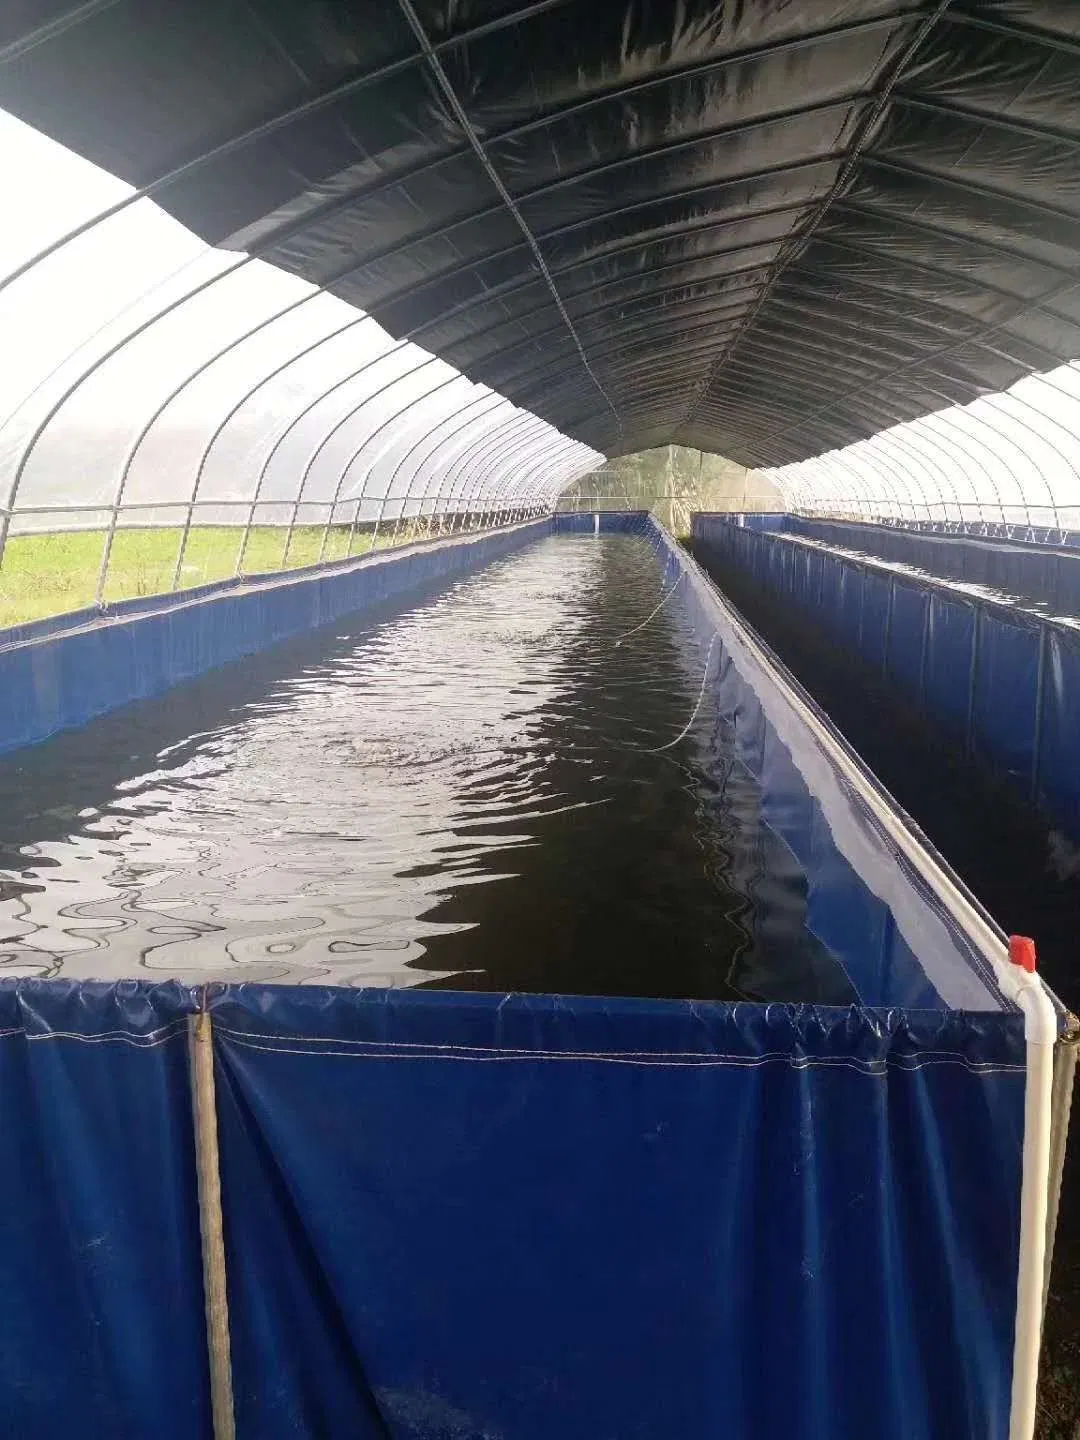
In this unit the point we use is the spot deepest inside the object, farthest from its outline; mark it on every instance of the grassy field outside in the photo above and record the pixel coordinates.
(43, 575)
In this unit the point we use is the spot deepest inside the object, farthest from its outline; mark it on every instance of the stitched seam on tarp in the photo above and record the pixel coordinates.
(674, 1061)
(106, 1037)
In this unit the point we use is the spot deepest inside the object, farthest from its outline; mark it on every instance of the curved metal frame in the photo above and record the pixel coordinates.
(995, 402)
(501, 441)
(431, 460)
(389, 420)
(457, 468)
(951, 423)
(900, 437)
(530, 470)
(446, 469)
(527, 483)
(308, 468)
(301, 415)
(417, 444)
(546, 496)
(937, 438)
(469, 481)
(495, 443)
(133, 449)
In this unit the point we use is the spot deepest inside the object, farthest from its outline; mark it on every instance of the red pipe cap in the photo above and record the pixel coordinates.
(1022, 952)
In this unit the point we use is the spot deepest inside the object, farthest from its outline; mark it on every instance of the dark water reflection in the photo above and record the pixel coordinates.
(457, 794)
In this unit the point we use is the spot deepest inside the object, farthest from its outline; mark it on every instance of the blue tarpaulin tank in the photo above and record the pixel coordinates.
(446, 1216)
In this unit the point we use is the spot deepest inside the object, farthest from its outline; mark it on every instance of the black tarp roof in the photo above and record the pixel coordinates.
(759, 227)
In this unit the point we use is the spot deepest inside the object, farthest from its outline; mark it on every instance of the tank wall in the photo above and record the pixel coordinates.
(1001, 683)
(58, 674)
(456, 1214)
(1044, 574)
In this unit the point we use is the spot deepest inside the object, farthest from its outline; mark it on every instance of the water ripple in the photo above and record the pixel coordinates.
(455, 794)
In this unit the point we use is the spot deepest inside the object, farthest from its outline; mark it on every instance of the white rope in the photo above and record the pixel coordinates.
(649, 617)
(659, 749)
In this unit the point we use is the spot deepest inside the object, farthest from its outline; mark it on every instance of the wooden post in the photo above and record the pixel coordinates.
(211, 1223)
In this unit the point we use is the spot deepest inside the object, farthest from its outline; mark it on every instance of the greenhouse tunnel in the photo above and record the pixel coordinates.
(539, 719)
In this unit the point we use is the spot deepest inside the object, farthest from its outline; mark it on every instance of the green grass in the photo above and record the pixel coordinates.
(43, 575)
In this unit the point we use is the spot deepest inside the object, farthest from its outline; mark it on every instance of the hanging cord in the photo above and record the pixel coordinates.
(659, 749)
(663, 602)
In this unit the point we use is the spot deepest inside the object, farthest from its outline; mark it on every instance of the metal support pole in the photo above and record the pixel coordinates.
(401, 410)
(939, 440)
(480, 399)
(177, 390)
(905, 438)
(546, 458)
(264, 469)
(490, 422)
(494, 443)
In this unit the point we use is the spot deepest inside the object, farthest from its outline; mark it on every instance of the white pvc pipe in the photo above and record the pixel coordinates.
(1040, 1034)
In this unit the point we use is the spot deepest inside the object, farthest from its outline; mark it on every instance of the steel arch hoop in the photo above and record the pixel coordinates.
(335, 502)
(994, 401)
(531, 465)
(447, 467)
(906, 442)
(564, 469)
(512, 498)
(133, 449)
(936, 437)
(878, 466)
(818, 464)
(302, 415)
(897, 464)
(910, 444)
(443, 440)
(389, 420)
(494, 440)
(851, 465)
(300, 494)
(458, 468)
(498, 447)
(447, 419)
(898, 497)
(981, 450)
(495, 443)
(444, 472)
(306, 410)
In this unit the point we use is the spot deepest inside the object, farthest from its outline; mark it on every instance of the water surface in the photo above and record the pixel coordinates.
(468, 793)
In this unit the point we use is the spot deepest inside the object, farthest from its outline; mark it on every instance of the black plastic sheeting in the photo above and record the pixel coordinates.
(758, 227)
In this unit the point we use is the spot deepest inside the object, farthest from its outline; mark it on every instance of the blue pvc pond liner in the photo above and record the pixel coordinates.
(1048, 576)
(467, 1215)
(460, 1216)
(57, 674)
(1001, 681)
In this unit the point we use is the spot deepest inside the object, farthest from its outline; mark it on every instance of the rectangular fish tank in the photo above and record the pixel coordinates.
(484, 993)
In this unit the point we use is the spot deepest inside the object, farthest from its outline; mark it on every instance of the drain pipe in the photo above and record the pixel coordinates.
(1023, 986)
